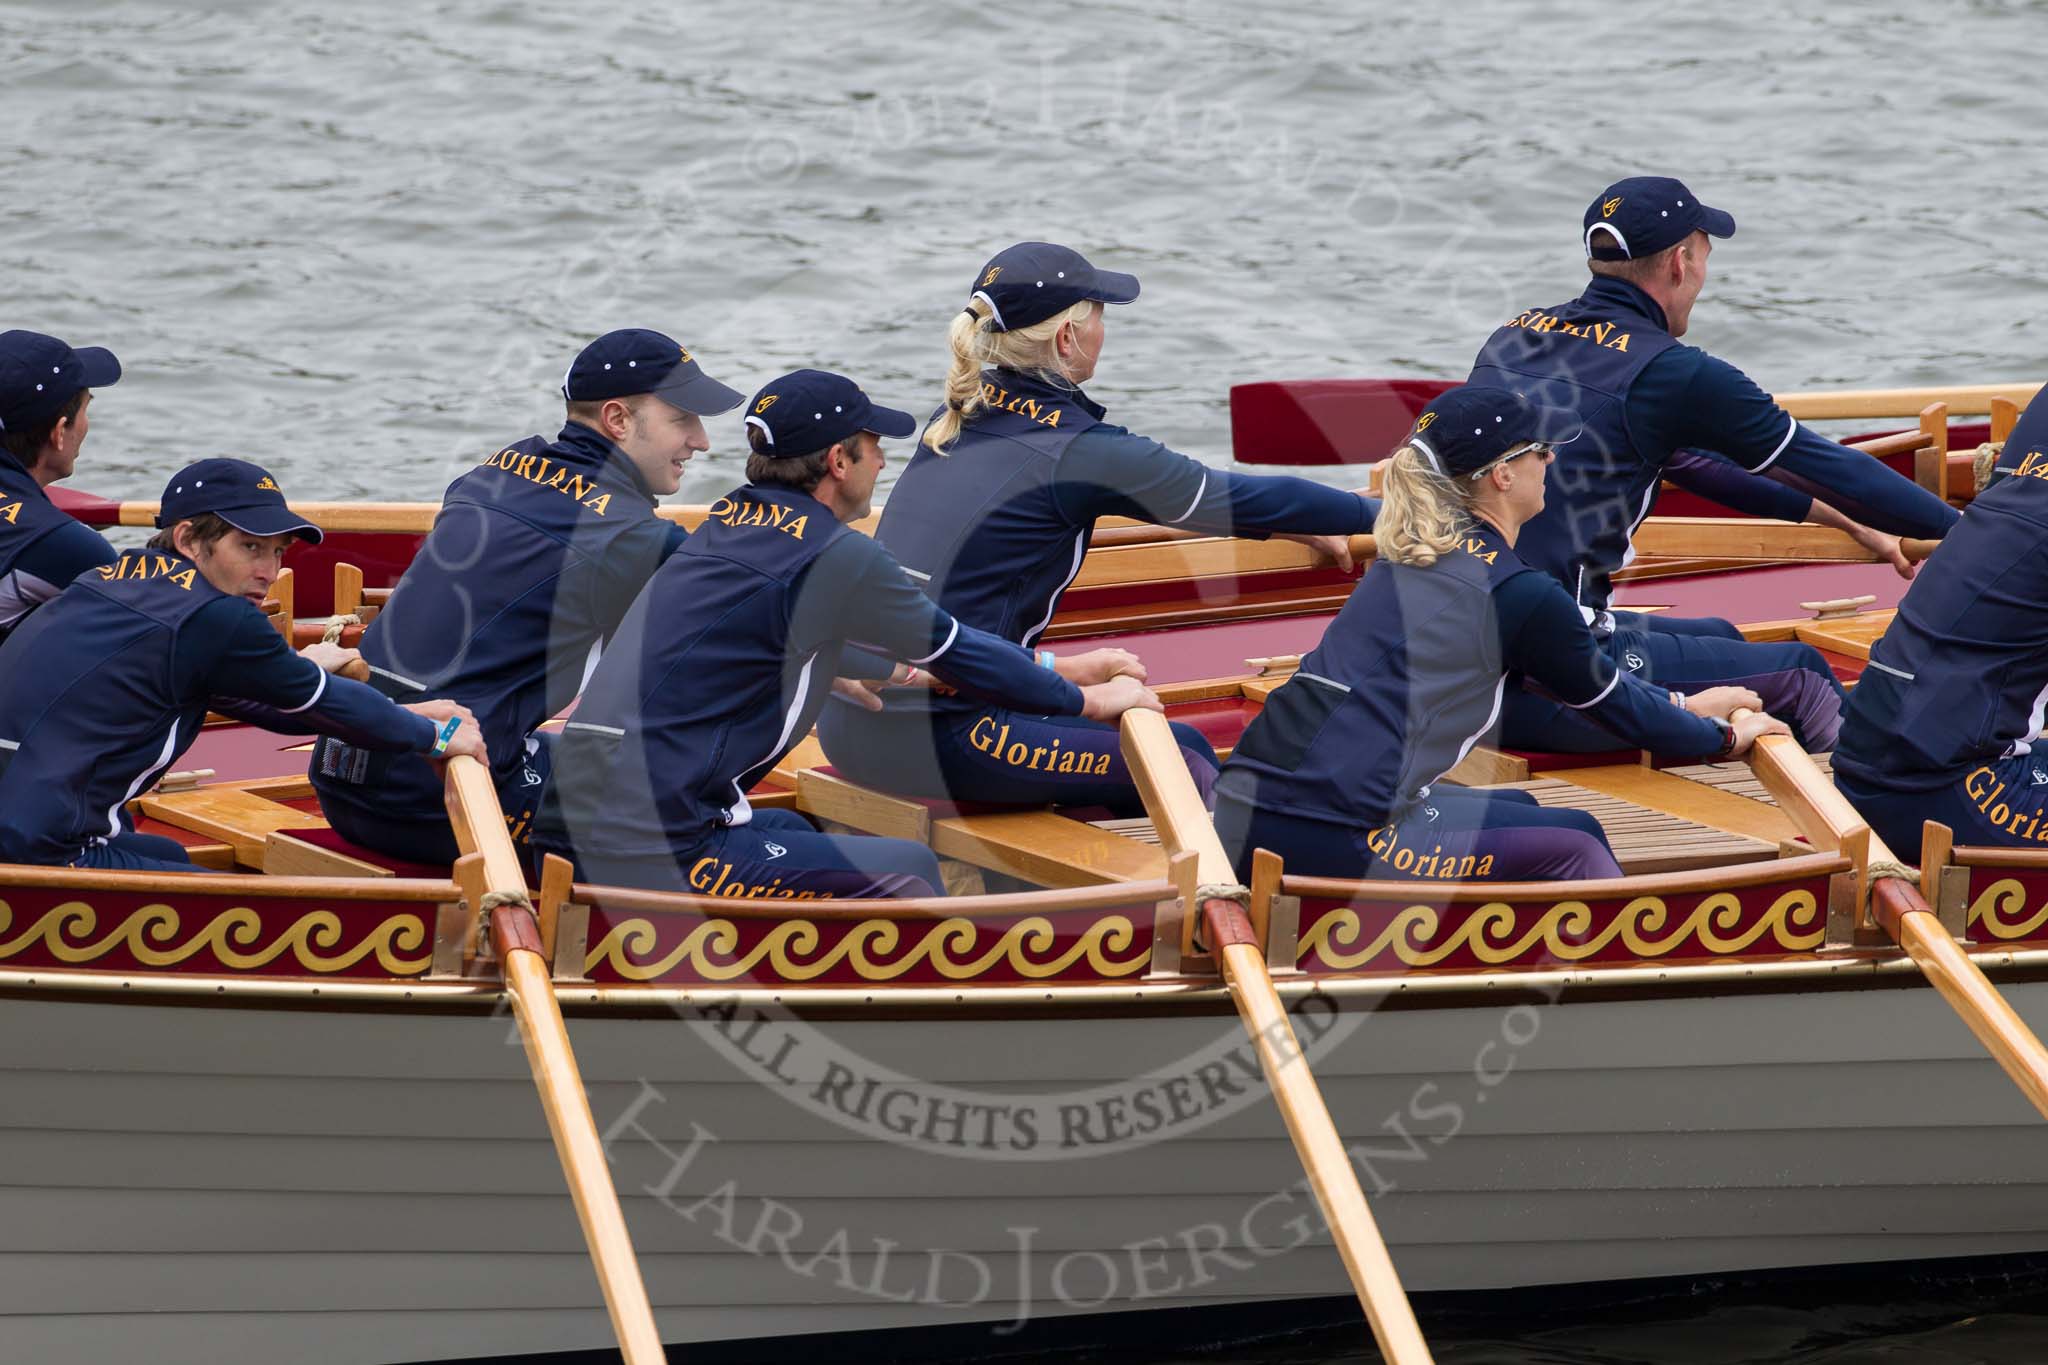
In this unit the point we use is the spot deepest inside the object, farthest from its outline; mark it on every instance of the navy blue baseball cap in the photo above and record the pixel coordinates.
(806, 411)
(239, 493)
(1033, 281)
(1466, 429)
(634, 360)
(39, 374)
(1642, 215)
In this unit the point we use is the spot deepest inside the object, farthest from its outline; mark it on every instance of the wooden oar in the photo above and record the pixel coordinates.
(480, 828)
(1753, 538)
(1177, 813)
(1828, 821)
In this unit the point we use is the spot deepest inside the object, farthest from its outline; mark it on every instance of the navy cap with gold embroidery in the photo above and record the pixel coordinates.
(1466, 429)
(239, 493)
(40, 374)
(634, 360)
(1033, 281)
(1644, 214)
(807, 411)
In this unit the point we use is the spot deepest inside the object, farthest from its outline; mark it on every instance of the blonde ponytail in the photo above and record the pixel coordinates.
(975, 348)
(1422, 514)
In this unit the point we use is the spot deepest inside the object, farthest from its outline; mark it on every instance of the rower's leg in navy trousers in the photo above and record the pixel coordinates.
(358, 815)
(777, 856)
(1689, 655)
(134, 852)
(2002, 803)
(998, 755)
(1455, 835)
(1795, 683)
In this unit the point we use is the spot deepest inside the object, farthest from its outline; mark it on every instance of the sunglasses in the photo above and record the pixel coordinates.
(1548, 453)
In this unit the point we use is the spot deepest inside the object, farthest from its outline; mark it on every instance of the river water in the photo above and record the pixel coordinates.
(359, 243)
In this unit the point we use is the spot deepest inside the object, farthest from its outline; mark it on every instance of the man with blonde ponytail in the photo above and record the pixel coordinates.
(1342, 773)
(994, 514)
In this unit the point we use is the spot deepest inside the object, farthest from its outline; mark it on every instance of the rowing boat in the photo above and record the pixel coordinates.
(277, 1110)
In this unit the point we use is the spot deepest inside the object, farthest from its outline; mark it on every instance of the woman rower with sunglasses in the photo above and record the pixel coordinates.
(1341, 774)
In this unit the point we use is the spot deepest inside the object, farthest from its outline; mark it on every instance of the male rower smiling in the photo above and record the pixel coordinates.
(533, 561)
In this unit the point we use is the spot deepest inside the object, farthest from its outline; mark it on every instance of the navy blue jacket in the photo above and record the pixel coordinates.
(102, 689)
(535, 556)
(1961, 676)
(42, 547)
(722, 664)
(995, 528)
(1643, 396)
(1410, 675)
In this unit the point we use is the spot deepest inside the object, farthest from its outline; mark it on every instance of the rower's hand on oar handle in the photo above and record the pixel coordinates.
(332, 658)
(1335, 549)
(466, 741)
(1751, 726)
(1721, 703)
(1109, 700)
(1888, 549)
(1099, 666)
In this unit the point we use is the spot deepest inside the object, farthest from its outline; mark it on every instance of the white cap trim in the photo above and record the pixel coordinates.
(1612, 231)
(993, 311)
(753, 421)
(1430, 455)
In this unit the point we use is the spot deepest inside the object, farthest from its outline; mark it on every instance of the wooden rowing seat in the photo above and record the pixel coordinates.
(281, 838)
(1036, 844)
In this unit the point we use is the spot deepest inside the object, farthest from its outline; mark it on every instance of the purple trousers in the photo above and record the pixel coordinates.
(1456, 834)
(1689, 655)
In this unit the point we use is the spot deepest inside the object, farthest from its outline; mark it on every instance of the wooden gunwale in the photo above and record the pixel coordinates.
(1610, 888)
(211, 884)
(1846, 969)
(1990, 855)
(1116, 895)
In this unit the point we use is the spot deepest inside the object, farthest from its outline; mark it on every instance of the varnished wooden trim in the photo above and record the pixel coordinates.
(1613, 888)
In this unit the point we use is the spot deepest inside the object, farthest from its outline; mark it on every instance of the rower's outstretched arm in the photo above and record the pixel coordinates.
(1687, 398)
(1721, 480)
(253, 675)
(1544, 638)
(856, 591)
(1110, 472)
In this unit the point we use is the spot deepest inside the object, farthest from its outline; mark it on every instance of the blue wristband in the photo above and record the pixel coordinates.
(446, 733)
(1047, 659)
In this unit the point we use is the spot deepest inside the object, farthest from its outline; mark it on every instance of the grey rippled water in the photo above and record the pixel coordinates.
(360, 242)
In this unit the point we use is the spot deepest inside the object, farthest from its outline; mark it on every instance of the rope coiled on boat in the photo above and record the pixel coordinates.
(499, 900)
(1982, 462)
(332, 635)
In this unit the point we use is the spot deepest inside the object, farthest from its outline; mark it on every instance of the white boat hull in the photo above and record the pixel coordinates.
(199, 1183)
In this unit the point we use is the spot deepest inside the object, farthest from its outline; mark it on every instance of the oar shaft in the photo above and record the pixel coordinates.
(1315, 1136)
(1183, 824)
(479, 824)
(1829, 821)
(574, 1130)
(1902, 914)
